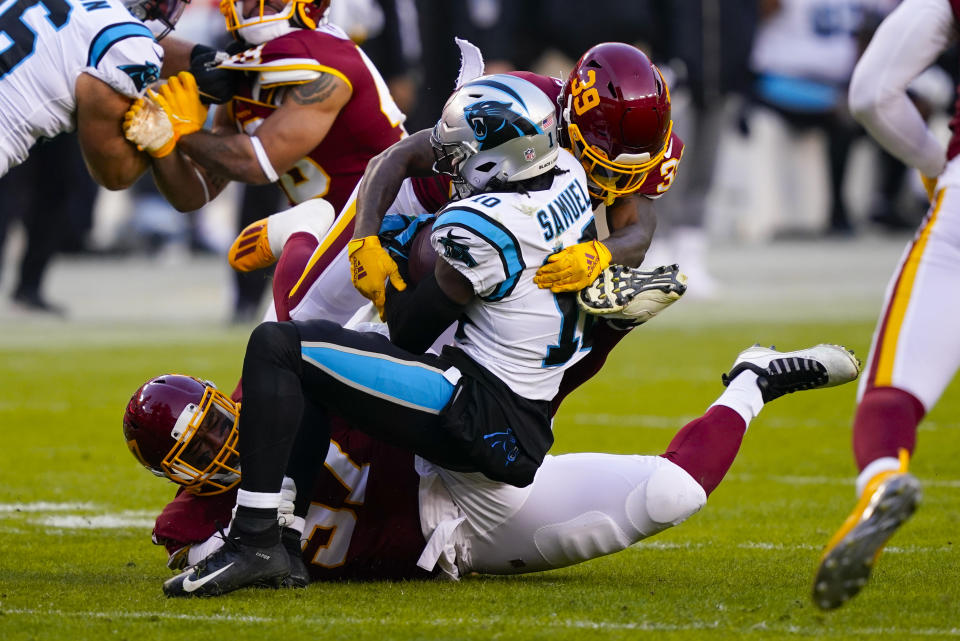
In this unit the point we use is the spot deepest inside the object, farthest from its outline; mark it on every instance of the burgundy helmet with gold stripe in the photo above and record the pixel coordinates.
(184, 429)
(616, 117)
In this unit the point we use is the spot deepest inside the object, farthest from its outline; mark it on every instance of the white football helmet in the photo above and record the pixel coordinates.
(263, 27)
(495, 129)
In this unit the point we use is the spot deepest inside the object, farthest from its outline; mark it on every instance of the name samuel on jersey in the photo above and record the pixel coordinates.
(564, 211)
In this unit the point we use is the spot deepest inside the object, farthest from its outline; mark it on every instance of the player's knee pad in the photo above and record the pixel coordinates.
(672, 495)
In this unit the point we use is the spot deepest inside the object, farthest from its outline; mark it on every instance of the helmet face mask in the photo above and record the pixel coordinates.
(186, 430)
(448, 157)
(263, 25)
(159, 15)
(616, 112)
(494, 130)
(618, 177)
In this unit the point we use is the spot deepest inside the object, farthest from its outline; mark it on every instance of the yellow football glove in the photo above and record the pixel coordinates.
(180, 99)
(146, 125)
(573, 268)
(930, 185)
(370, 266)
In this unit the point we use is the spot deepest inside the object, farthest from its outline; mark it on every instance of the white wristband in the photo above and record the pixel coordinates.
(264, 161)
(203, 183)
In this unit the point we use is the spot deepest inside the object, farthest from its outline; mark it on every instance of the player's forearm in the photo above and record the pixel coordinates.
(632, 222)
(119, 170)
(180, 183)
(907, 42)
(383, 177)
(176, 55)
(230, 156)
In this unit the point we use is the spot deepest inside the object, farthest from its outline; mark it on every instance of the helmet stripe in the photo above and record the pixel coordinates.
(500, 87)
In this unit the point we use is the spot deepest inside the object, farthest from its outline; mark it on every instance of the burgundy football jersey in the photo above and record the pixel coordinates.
(363, 522)
(953, 147)
(369, 122)
(659, 179)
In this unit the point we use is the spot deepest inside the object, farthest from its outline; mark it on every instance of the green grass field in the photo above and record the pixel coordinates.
(76, 509)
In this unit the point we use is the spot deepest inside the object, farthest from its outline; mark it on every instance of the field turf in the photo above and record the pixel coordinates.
(76, 560)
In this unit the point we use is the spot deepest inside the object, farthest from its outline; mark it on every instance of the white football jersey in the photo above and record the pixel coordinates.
(525, 335)
(45, 45)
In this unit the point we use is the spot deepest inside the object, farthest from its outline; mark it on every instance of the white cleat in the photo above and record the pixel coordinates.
(780, 373)
(631, 294)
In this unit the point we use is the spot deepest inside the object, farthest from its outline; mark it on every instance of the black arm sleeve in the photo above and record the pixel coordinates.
(418, 315)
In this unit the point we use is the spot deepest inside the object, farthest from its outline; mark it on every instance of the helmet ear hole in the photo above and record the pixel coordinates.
(485, 167)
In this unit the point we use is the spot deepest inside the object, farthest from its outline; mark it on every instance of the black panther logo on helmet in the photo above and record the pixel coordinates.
(494, 123)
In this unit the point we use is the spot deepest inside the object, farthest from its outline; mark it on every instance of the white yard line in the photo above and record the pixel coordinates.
(99, 522)
(46, 506)
(644, 626)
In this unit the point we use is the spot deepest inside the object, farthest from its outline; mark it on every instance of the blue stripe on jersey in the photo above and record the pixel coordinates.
(113, 34)
(406, 383)
(393, 222)
(415, 226)
(497, 235)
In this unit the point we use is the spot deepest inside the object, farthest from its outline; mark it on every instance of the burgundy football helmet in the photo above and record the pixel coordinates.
(184, 429)
(616, 118)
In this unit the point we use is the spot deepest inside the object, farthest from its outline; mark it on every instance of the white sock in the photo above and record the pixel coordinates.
(742, 396)
(260, 500)
(884, 464)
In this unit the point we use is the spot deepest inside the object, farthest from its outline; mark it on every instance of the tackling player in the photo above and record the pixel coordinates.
(378, 512)
(915, 350)
(482, 406)
(622, 192)
(614, 116)
(68, 64)
(313, 112)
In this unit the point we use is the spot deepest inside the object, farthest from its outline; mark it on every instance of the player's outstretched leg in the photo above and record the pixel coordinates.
(888, 500)
(780, 373)
(236, 565)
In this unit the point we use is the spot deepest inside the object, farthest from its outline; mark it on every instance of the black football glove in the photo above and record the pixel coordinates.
(217, 86)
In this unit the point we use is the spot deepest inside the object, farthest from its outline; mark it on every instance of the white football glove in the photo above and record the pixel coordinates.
(288, 494)
(147, 126)
(633, 294)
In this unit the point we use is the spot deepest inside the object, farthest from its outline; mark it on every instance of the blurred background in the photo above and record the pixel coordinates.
(780, 198)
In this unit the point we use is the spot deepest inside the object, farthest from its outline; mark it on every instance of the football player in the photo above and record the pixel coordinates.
(67, 65)
(401, 181)
(313, 111)
(915, 350)
(614, 115)
(376, 511)
(481, 410)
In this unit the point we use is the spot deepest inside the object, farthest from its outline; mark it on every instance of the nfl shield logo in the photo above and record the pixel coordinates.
(529, 154)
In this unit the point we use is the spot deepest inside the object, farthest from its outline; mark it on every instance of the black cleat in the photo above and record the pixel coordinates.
(230, 568)
(299, 576)
(780, 373)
